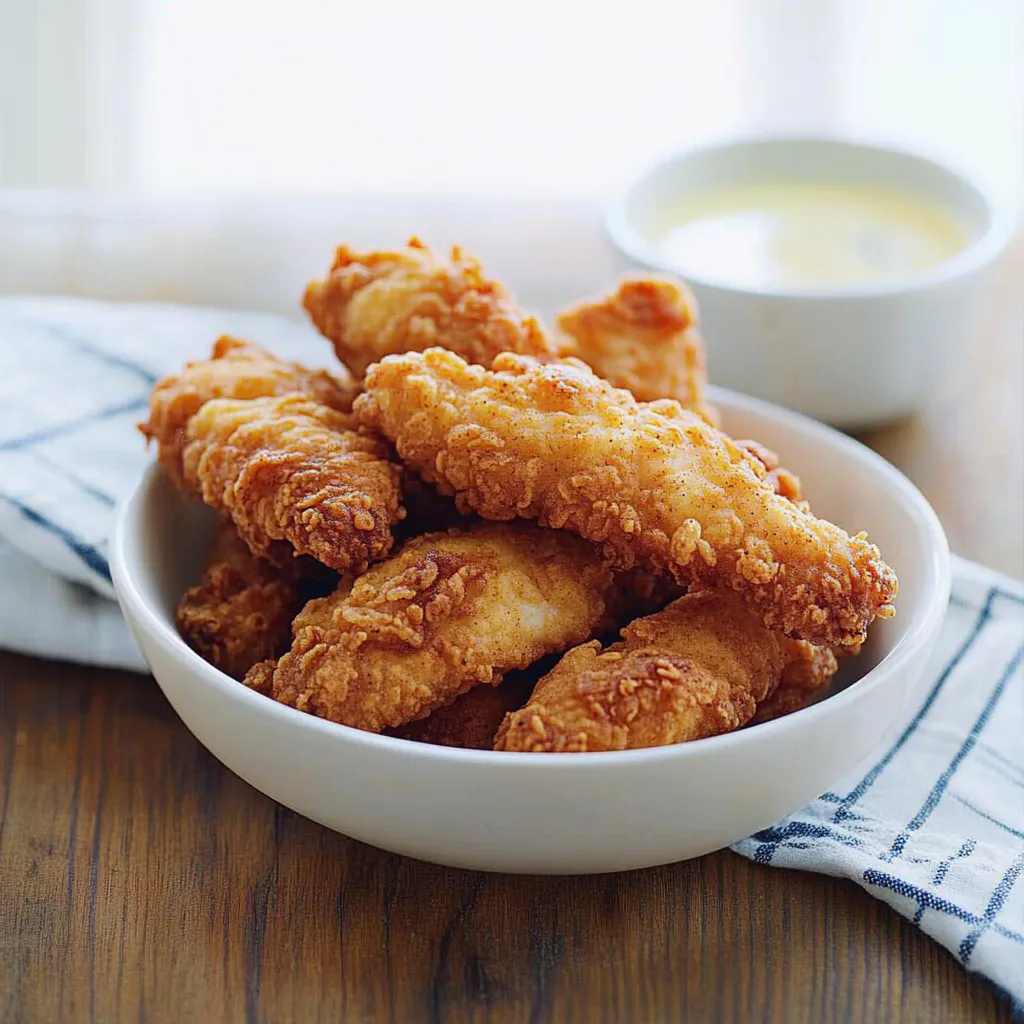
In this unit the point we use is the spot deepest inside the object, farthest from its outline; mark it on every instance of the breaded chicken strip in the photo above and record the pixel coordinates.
(802, 683)
(373, 304)
(639, 592)
(241, 612)
(781, 480)
(652, 483)
(643, 337)
(450, 611)
(237, 369)
(289, 469)
(470, 721)
(696, 669)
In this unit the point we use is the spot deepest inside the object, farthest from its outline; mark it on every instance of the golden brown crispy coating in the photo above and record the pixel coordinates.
(802, 683)
(236, 369)
(643, 337)
(654, 484)
(448, 612)
(288, 469)
(696, 669)
(260, 676)
(373, 304)
(639, 592)
(470, 721)
(241, 612)
(781, 480)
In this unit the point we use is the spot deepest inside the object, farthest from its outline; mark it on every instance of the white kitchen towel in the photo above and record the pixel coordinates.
(75, 376)
(933, 825)
(49, 616)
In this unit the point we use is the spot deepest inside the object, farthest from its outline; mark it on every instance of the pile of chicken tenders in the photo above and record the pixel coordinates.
(481, 533)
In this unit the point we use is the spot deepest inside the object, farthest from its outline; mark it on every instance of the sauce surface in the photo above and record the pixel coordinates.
(802, 234)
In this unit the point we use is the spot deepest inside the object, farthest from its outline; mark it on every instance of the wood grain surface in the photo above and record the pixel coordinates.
(142, 881)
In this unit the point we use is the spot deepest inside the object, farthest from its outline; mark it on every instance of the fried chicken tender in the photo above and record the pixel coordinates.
(448, 612)
(289, 469)
(236, 369)
(241, 612)
(377, 303)
(802, 682)
(643, 337)
(470, 721)
(696, 669)
(640, 592)
(781, 480)
(652, 483)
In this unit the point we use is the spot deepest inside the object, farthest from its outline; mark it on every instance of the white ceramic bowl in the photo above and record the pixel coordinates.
(551, 813)
(849, 356)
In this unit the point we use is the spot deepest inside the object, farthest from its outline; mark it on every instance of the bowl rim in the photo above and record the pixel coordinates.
(978, 252)
(924, 619)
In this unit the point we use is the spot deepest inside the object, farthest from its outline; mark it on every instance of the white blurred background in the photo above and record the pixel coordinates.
(244, 97)
(214, 151)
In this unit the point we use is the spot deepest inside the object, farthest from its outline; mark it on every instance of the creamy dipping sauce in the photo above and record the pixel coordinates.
(806, 234)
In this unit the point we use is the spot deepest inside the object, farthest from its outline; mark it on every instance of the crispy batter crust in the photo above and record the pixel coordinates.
(376, 303)
(448, 612)
(801, 683)
(696, 669)
(643, 337)
(236, 369)
(470, 721)
(652, 483)
(241, 611)
(289, 469)
(781, 480)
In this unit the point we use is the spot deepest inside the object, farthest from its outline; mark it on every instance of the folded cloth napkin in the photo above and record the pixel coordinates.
(933, 825)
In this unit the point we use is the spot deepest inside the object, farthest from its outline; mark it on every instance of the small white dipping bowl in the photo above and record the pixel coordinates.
(557, 813)
(850, 356)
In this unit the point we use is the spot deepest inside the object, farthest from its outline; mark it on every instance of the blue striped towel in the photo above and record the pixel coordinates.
(75, 377)
(933, 825)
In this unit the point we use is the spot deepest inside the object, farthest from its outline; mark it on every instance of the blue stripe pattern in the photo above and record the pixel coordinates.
(869, 780)
(933, 902)
(75, 376)
(50, 433)
(88, 553)
(988, 817)
(1002, 759)
(844, 812)
(960, 879)
(80, 345)
(965, 851)
(83, 485)
(995, 904)
(968, 745)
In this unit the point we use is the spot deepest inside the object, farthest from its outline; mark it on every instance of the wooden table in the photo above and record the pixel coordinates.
(140, 880)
